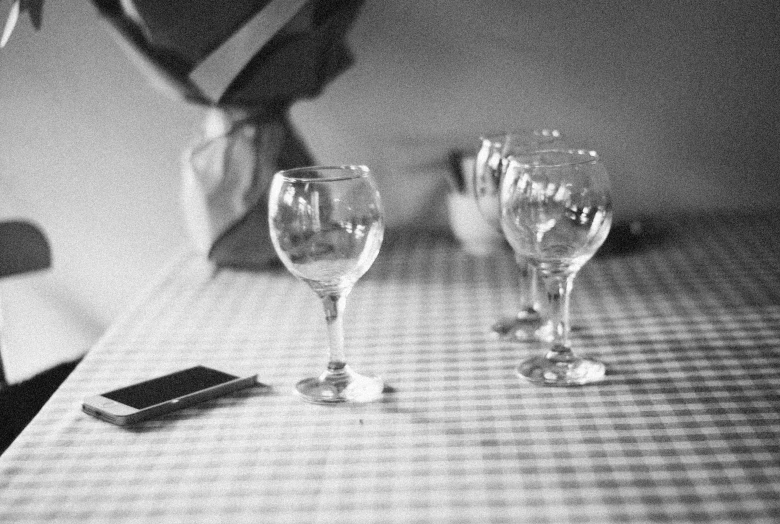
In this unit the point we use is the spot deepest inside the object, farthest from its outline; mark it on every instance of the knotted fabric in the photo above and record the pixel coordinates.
(226, 176)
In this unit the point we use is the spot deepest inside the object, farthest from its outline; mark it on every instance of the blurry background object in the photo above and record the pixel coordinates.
(249, 60)
(677, 96)
(490, 164)
(474, 233)
(23, 249)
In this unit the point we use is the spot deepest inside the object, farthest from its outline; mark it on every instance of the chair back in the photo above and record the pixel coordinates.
(23, 249)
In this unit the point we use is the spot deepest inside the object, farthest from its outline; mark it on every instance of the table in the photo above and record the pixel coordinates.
(685, 428)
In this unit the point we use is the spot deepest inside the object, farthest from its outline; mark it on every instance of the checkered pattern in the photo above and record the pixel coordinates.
(686, 427)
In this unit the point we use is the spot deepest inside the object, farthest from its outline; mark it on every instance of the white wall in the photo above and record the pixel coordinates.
(90, 153)
(680, 97)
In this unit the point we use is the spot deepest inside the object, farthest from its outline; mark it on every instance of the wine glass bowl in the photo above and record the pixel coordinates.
(491, 162)
(327, 226)
(556, 212)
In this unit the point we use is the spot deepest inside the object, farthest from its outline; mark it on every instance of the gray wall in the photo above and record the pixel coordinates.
(680, 97)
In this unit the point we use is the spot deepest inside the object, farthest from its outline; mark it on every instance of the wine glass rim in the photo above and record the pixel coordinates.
(347, 172)
(577, 156)
(529, 132)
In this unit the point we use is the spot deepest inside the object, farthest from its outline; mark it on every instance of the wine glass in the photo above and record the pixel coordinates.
(556, 211)
(327, 225)
(489, 166)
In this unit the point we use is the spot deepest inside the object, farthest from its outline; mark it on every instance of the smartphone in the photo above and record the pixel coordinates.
(164, 394)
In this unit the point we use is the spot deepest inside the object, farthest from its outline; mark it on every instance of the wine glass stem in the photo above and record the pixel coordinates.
(334, 312)
(529, 285)
(558, 292)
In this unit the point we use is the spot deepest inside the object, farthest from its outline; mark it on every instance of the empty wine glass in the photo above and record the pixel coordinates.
(327, 226)
(489, 166)
(556, 211)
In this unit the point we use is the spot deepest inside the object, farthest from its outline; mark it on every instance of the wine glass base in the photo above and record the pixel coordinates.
(343, 385)
(524, 326)
(576, 372)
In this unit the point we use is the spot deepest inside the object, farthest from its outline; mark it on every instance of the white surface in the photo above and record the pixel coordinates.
(473, 232)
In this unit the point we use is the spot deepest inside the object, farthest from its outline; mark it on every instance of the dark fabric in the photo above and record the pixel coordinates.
(247, 243)
(21, 402)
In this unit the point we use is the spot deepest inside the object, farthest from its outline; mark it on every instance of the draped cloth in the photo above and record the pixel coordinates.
(226, 175)
(246, 62)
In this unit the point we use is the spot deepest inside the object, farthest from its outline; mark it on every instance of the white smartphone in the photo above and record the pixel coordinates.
(164, 394)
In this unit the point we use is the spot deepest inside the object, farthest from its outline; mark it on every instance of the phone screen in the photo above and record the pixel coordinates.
(162, 389)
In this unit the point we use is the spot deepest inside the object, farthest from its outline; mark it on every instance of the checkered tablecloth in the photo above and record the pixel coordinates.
(686, 427)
